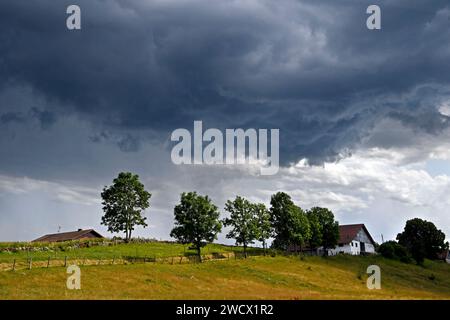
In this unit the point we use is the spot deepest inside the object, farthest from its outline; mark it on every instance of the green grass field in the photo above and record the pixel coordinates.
(340, 277)
(149, 250)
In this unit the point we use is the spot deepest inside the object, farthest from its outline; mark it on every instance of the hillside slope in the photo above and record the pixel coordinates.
(341, 277)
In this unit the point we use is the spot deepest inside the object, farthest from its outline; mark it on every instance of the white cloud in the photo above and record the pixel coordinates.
(373, 186)
(54, 190)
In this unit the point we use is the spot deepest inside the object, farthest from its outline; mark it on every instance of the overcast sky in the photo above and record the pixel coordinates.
(364, 115)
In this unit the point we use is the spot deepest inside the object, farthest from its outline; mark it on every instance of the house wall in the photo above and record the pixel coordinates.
(370, 248)
(363, 237)
(354, 247)
(350, 248)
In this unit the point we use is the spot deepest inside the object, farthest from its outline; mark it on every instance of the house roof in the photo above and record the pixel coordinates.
(67, 236)
(348, 232)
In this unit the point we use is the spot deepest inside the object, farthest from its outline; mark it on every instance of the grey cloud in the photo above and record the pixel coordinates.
(125, 142)
(129, 144)
(313, 70)
(45, 118)
(9, 117)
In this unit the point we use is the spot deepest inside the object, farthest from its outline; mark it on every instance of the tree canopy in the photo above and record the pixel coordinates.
(324, 229)
(123, 204)
(289, 222)
(242, 220)
(196, 221)
(262, 216)
(422, 239)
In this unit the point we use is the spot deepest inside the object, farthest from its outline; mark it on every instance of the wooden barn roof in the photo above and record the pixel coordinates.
(348, 232)
(67, 236)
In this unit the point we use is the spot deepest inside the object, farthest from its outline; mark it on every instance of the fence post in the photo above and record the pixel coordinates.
(114, 257)
(14, 265)
(30, 263)
(65, 261)
(48, 262)
(181, 259)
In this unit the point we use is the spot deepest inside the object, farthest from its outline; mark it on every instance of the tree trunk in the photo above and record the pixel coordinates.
(245, 250)
(264, 247)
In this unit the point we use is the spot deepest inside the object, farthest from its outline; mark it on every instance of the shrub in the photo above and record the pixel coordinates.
(393, 250)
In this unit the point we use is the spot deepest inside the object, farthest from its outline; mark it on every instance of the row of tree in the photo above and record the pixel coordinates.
(197, 221)
(197, 218)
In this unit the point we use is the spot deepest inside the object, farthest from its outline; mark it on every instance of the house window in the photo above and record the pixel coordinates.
(356, 245)
(341, 245)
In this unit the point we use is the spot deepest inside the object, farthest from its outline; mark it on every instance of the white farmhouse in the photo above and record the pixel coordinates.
(354, 239)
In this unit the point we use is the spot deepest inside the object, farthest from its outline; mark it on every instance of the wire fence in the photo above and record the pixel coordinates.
(29, 263)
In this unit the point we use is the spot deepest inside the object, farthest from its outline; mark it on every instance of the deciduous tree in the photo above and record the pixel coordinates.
(242, 220)
(196, 221)
(327, 228)
(262, 216)
(289, 222)
(422, 239)
(123, 203)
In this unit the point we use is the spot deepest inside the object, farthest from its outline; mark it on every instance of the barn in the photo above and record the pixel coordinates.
(80, 234)
(354, 239)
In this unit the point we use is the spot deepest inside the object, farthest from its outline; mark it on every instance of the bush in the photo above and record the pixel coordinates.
(393, 250)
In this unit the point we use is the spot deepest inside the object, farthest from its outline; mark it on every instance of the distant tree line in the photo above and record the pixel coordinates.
(198, 222)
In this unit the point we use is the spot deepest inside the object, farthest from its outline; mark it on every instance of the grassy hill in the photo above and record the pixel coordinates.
(95, 249)
(279, 277)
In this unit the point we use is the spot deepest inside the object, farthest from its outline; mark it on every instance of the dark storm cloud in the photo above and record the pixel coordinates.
(126, 143)
(9, 117)
(45, 118)
(310, 68)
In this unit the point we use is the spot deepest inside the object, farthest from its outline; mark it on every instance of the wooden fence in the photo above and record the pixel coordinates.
(29, 263)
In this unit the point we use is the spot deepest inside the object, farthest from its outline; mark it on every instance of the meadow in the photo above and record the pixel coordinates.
(257, 277)
(94, 250)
